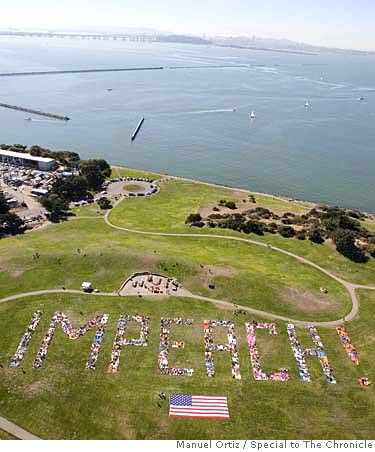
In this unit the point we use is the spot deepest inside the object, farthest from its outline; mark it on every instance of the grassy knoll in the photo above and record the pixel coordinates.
(89, 250)
(118, 171)
(91, 210)
(369, 224)
(168, 211)
(62, 400)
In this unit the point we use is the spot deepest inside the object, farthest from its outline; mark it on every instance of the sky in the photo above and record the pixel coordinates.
(331, 23)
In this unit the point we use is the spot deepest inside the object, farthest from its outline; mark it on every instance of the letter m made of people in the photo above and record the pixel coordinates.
(98, 322)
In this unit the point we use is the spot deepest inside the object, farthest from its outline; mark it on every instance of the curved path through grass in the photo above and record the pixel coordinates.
(350, 287)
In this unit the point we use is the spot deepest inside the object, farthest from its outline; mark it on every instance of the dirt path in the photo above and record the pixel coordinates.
(15, 430)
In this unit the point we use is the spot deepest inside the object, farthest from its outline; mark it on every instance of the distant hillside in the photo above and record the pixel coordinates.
(279, 45)
(185, 39)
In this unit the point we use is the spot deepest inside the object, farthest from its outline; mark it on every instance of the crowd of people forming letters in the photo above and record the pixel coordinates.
(254, 355)
(349, 347)
(73, 333)
(25, 340)
(210, 347)
(120, 340)
(165, 344)
(299, 353)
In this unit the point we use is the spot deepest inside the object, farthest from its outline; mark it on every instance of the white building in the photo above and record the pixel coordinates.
(24, 159)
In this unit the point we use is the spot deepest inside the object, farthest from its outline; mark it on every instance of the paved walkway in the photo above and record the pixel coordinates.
(15, 430)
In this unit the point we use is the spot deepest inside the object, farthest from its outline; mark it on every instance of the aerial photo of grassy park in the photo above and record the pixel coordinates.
(164, 285)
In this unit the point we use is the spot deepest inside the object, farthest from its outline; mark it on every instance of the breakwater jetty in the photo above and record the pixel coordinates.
(137, 129)
(35, 112)
(79, 71)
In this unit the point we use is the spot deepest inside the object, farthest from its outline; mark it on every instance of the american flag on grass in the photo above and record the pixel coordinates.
(191, 405)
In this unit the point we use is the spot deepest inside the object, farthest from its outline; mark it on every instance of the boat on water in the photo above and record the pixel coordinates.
(28, 119)
(252, 115)
(307, 104)
(109, 89)
(361, 99)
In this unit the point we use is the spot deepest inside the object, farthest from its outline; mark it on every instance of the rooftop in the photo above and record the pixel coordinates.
(23, 155)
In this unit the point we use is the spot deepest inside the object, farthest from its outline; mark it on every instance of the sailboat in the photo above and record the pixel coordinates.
(252, 115)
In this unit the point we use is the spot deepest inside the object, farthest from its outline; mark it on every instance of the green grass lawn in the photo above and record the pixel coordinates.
(168, 211)
(133, 187)
(242, 273)
(369, 224)
(91, 210)
(130, 172)
(63, 401)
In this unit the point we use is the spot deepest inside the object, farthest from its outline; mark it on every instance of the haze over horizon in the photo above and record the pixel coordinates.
(337, 23)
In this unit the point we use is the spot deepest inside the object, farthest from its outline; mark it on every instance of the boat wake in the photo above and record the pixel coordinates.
(202, 112)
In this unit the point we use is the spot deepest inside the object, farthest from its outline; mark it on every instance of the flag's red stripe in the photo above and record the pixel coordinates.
(199, 416)
(209, 398)
(208, 404)
(197, 411)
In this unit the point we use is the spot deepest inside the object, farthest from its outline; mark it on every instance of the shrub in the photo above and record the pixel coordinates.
(231, 205)
(198, 224)
(104, 203)
(345, 244)
(316, 235)
(193, 218)
(286, 231)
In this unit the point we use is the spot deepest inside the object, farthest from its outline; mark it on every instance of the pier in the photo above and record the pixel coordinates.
(137, 129)
(80, 71)
(35, 112)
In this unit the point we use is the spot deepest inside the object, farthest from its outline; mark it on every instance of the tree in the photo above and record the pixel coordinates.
(286, 231)
(104, 203)
(72, 188)
(231, 205)
(300, 235)
(10, 223)
(193, 218)
(371, 249)
(345, 244)
(4, 208)
(316, 235)
(95, 171)
(254, 227)
(56, 206)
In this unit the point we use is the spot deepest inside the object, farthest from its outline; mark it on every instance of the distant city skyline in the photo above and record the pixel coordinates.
(332, 23)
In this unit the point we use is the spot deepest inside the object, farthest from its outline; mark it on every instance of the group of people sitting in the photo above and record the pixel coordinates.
(120, 340)
(299, 353)
(210, 347)
(319, 351)
(349, 347)
(165, 344)
(254, 355)
(72, 333)
(26, 338)
(95, 349)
